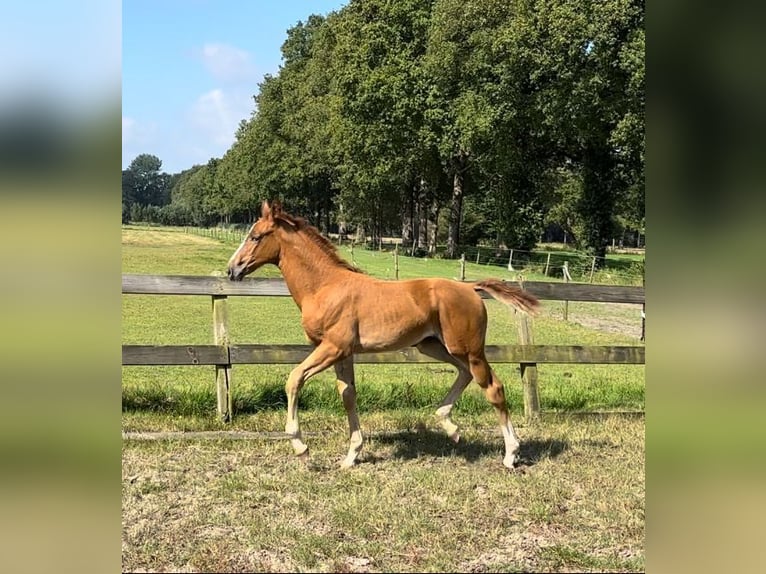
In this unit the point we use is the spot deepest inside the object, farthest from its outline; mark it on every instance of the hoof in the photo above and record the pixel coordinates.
(299, 447)
(303, 456)
(455, 437)
(516, 465)
(345, 464)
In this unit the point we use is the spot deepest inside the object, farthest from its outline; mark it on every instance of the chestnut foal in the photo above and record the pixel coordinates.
(344, 311)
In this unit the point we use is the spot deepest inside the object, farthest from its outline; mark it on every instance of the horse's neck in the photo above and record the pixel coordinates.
(305, 267)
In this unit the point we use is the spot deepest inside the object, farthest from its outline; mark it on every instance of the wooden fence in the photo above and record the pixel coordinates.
(223, 355)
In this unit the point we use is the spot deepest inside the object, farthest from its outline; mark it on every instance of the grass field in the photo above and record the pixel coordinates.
(416, 502)
(617, 269)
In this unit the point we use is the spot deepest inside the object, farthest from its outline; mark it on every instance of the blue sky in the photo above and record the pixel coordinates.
(191, 67)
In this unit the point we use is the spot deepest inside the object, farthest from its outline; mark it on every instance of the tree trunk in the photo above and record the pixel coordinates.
(407, 218)
(422, 218)
(377, 239)
(327, 206)
(433, 228)
(455, 210)
(597, 201)
(341, 221)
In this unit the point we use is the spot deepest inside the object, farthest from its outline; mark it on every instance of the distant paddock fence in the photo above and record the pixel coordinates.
(224, 355)
(551, 263)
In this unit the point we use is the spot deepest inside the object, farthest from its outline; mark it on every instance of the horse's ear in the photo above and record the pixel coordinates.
(266, 210)
(276, 207)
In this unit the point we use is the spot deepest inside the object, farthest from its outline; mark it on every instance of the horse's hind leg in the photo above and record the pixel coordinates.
(344, 373)
(434, 348)
(493, 389)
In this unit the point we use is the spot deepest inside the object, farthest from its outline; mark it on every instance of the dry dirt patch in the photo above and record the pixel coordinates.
(621, 318)
(155, 238)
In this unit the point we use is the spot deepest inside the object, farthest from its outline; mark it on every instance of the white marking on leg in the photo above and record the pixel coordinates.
(345, 383)
(355, 446)
(512, 444)
(444, 410)
(438, 350)
(292, 428)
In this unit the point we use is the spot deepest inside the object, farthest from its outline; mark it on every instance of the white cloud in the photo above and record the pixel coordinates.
(227, 63)
(217, 115)
(209, 122)
(135, 132)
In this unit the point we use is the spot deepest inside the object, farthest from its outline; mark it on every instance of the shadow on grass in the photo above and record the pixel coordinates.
(415, 444)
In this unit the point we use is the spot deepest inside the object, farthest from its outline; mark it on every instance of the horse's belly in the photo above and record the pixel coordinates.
(375, 341)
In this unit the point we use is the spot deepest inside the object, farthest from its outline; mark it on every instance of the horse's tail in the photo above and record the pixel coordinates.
(509, 294)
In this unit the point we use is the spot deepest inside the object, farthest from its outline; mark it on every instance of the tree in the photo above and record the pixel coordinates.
(195, 193)
(473, 103)
(143, 184)
(587, 58)
(386, 167)
(385, 113)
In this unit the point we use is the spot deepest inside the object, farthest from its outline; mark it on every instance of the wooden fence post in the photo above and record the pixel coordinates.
(528, 370)
(478, 254)
(592, 269)
(222, 372)
(547, 264)
(462, 267)
(510, 261)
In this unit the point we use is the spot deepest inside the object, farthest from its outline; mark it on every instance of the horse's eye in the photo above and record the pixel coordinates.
(255, 238)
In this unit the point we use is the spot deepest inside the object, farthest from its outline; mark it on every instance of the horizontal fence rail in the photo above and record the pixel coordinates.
(200, 285)
(134, 355)
(224, 355)
(197, 285)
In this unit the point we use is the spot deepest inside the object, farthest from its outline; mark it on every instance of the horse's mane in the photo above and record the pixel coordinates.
(312, 233)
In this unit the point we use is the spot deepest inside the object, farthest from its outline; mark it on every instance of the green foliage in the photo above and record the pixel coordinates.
(143, 185)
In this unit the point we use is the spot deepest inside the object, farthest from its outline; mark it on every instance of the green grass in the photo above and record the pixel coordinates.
(619, 269)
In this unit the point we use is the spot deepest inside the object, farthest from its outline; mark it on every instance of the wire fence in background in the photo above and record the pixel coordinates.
(580, 267)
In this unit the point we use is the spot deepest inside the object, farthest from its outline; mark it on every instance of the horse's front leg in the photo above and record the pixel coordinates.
(344, 373)
(319, 359)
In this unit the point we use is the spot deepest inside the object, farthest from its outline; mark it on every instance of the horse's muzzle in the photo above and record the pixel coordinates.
(234, 274)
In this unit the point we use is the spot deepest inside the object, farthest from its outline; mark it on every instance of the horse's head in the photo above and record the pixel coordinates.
(259, 246)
